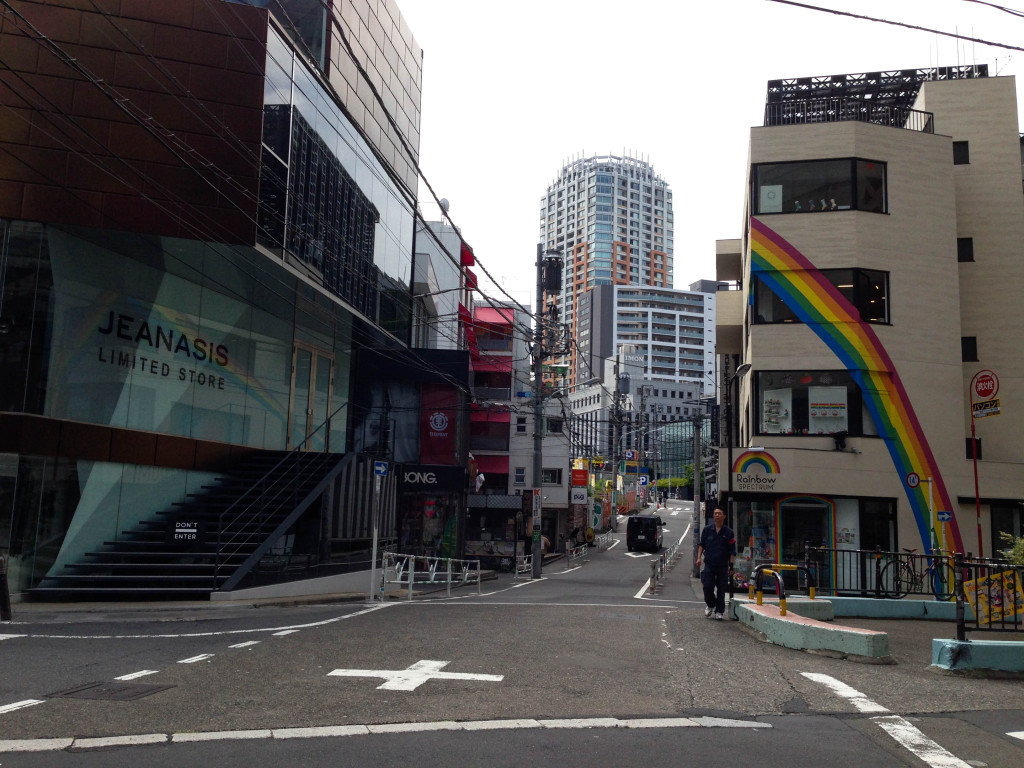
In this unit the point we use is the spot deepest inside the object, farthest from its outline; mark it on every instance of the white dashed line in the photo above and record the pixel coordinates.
(1016, 734)
(245, 644)
(136, 675)
(285, 632)
(10, 637)
(327, 731)
(194, 659)
(19, 705)
(906, 734)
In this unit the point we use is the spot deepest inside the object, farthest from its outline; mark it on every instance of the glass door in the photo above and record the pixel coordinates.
(312, 374)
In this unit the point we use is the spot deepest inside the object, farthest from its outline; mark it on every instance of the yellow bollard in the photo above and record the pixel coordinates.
(760, 594)
(750, 589)
(782, 606)
(810, 591)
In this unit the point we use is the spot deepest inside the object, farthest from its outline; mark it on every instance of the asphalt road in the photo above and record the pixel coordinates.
(580, 668)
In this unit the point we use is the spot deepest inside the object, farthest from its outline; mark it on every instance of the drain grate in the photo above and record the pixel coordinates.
(115, 691)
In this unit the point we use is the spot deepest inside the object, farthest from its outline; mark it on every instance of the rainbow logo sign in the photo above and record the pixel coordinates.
(807, 292)
(750, 460)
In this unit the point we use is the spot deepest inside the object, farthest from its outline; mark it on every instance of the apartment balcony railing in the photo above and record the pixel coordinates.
(838, 110)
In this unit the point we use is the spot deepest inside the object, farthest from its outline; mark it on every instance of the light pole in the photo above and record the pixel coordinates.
(729, 381)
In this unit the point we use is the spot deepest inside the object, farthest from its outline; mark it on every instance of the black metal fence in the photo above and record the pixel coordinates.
(989, 592)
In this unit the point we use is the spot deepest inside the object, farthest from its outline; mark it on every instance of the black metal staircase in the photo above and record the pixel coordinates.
(210, 541)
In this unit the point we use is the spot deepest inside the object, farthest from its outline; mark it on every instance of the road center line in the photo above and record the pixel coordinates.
(194, 659)
(19, 705)
(136, 675)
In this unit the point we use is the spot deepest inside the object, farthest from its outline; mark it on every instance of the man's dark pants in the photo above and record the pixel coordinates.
(715, 578)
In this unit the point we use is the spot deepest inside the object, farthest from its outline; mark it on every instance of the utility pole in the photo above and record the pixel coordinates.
(552, 281)
(698, 521)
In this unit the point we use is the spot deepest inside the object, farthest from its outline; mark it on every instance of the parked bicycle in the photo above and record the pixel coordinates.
(904, 575)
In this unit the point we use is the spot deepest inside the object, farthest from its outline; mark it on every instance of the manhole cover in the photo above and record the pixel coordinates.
(115, 691)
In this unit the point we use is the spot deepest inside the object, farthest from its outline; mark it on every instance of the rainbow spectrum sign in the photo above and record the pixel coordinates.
(801, 285)
(755, 471)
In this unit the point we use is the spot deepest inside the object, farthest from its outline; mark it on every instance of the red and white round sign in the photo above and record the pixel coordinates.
(986, 385)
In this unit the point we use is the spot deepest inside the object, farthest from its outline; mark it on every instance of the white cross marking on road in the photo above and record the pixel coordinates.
(412, 678)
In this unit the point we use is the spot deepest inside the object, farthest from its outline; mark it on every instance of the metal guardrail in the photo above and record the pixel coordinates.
(989, 596)
(524, 567)
(574, 555)
(416, 569)
(603, 541)
(5, 593)
(662, 565)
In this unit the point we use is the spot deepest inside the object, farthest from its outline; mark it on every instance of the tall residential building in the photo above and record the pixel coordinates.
(612, 219)
(877, 287)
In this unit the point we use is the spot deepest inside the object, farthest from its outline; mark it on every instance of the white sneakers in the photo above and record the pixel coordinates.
(719, 617)
(708, 610)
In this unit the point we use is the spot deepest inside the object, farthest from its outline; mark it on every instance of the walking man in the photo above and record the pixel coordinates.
(718, 548)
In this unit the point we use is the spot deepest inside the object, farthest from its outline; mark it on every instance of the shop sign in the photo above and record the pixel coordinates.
(580, 477)
(577, 495)
(432, 478)
(755, 471)
(986, 408)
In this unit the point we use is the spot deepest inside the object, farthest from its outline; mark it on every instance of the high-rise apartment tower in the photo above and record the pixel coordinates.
(612, 219)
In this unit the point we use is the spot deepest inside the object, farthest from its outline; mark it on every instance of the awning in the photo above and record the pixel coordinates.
(497, 465)
(493, 316)
(493, 364)
(470, 279)
(466, 256)
(494, 417)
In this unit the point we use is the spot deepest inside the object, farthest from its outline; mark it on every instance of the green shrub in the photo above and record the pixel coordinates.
(1015, 552)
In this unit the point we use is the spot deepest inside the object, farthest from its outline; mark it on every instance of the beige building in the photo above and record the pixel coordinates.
(876, 283)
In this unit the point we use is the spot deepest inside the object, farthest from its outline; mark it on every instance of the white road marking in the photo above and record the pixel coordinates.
(136, 675)
(414, 676)
(194, 659)
(11, 637)
(284, 632)
(19, 705)
(1016, 734)
(310, 625)
(56, 745)
(246, 644)
(905, 733)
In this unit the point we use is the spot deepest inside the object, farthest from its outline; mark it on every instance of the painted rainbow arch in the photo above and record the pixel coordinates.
(749, 459)
(806, 291)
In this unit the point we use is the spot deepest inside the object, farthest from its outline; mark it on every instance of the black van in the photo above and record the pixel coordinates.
(644, 532)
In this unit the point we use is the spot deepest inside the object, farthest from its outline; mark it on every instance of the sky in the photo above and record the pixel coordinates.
(514, 91)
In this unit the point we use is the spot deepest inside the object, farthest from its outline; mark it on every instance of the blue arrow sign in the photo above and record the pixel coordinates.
(944, 515)
(380, 467)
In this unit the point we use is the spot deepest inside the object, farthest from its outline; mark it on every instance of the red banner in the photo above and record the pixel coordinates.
(438, 422)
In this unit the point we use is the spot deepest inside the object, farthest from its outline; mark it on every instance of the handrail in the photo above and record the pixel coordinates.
(260, 498)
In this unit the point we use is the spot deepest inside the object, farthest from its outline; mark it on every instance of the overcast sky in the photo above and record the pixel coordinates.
(512, 91)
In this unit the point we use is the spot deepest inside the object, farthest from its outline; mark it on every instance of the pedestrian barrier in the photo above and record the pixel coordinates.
(661, 566)
(5, 594)
(603, 541)
(524, 567)
(763, 570)
(415, 569)
(574, 555)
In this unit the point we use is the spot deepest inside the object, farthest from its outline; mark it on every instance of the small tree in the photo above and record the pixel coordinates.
(1015, 552)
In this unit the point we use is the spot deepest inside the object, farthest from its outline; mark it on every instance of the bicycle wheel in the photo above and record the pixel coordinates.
(897, 578)
(942, 579)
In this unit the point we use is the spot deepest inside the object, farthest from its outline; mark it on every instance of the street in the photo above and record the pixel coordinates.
(577, 668)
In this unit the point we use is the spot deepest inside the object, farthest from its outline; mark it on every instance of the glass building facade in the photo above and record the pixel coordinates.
(138, 360)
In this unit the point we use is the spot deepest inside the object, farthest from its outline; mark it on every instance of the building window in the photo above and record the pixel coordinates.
(814, 186)
(520, 425)
(866, 289)
(969, 349)
(810, 403)
(555, 424)
(965, 249)
(961, 153)
(971, 443)
(551, 477)
(520, 476)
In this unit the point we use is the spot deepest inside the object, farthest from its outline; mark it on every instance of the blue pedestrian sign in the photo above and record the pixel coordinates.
(380, 468)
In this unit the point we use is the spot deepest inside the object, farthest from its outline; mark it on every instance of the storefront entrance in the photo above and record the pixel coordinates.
(803, 521)
(312, 373)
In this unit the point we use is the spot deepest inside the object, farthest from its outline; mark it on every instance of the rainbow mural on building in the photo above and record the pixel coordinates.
(749, 459)
(797, 282)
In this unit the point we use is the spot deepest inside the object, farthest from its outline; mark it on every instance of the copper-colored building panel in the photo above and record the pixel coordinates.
(84, 441)
(133, 447)
(179, 452)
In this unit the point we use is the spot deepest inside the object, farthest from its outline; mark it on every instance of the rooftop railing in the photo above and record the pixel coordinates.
(839, 110)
